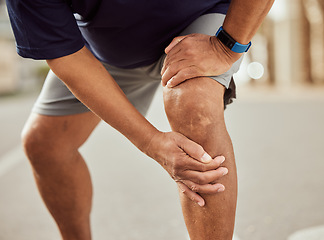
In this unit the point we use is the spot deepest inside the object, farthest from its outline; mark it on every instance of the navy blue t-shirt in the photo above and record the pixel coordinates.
(123, 33)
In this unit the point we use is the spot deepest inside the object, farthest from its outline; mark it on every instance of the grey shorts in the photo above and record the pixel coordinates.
(139, 84)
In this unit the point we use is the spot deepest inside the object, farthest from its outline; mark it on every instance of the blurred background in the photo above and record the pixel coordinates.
(276, 125)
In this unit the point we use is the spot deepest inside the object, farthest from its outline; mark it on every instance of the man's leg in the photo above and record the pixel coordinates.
(51, 145)
(195, 109)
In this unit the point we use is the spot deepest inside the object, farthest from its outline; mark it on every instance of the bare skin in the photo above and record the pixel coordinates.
(64, 181)
(51, 143)
(179, 152)
(62, 177)
(195, 109)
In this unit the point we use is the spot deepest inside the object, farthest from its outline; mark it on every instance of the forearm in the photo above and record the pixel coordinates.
(244, 17)
(90, 82)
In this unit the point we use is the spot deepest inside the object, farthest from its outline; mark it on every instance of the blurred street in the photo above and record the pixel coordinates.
(278, 141)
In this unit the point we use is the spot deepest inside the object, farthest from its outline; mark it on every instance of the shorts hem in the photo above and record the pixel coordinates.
(224, 81)
(59, 112)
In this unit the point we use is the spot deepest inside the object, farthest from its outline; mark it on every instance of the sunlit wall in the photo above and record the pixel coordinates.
(289, 47)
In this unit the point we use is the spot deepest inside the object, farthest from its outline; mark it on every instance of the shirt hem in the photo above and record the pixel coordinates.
(49, 53)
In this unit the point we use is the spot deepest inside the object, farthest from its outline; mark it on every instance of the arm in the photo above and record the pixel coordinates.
(93, 85)
(90, 82)
(198, 55)
(244, 18)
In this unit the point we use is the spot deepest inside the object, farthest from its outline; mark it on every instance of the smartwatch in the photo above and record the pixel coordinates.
(229, 42)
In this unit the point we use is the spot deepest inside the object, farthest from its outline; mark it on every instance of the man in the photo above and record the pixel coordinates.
(109, 54)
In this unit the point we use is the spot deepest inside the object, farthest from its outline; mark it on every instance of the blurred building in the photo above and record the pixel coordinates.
(16, 73)
(312, 16)
(290, 45)
(8, 60)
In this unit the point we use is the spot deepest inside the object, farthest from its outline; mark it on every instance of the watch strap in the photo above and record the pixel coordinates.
(229, 42)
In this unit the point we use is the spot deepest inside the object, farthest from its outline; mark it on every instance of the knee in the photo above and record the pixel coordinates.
(196, 102)
(34, 144)
(40, 144)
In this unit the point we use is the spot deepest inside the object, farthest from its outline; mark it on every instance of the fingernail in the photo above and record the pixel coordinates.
(221, 189)
(201, 204)
(206, 158)
(169, 84)
(222, 159)
(225, 171)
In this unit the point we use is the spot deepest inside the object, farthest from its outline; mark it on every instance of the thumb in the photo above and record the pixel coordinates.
(174, 42)
(195, 151)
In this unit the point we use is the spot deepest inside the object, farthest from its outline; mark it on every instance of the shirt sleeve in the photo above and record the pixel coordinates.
(44, 29)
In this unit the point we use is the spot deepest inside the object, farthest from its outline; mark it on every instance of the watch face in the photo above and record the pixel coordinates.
(229, 42)
(226, 39)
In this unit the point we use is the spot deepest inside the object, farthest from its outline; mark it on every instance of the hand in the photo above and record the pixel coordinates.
(188, 164)
(195, 55)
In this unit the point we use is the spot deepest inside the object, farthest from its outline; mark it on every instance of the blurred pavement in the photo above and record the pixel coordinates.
(278, 141)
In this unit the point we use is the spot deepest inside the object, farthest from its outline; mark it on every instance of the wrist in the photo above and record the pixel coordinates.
(243, 36)
(229, 56)
(146, 142)
(230, 42)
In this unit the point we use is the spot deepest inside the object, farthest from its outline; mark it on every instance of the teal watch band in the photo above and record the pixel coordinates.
(229, 42)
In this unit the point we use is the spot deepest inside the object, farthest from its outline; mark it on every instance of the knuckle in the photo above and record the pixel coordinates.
(189, 51)
(203, 67)
(174, 171)
(190, 73)
(184, 74)
(171, 68)
(195, 70)
(203, 168)
(174, 174)
(202, 179)
(196, 59)
(185, 42)
(176, 39)
(165, 66)
(177, 165)
(194, 188)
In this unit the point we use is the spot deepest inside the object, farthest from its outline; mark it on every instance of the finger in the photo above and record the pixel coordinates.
(167, 75)
(183, 75)
(164, 66)
(172, 68)
(174, 42)
(172, 57)
(202, 178)
(195, 197)
(203, 167)
(206, 188)
(193, 149)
